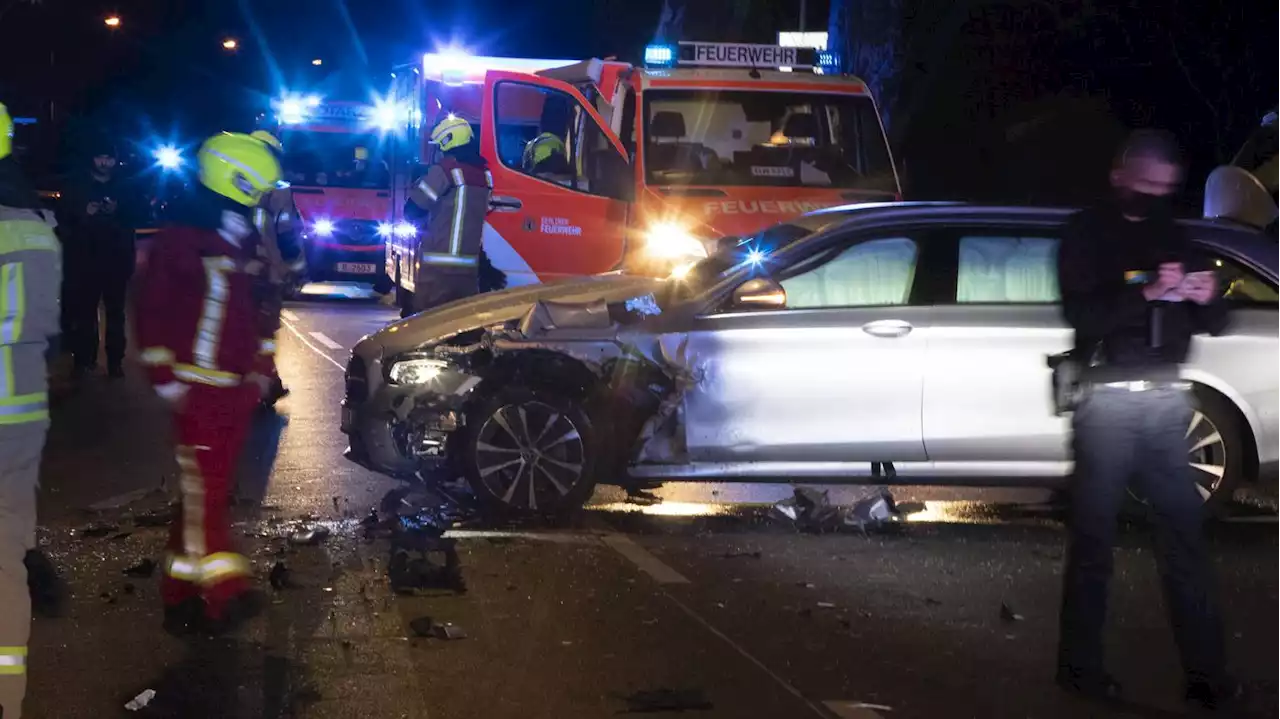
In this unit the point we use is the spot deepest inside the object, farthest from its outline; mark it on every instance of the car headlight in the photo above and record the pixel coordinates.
(416, 371)
(670, 241)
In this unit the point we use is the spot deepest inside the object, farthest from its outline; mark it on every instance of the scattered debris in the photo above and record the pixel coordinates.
(279, 576)
(448, 630)
(807, 507)
(826, 605)
(1007, 614)
(145, 568)
(98, 530)
(122, 535)
(309, 536)
(872, 512)
(411, 574)
(141, 701)
(122, 500)
(422, 626)
(154, 518)
(372, 520)
(653, 701)
(811, 510)
(108, 597)
(749, 555)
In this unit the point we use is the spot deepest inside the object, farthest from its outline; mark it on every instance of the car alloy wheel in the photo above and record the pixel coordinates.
(529, 455)
(1207, 454)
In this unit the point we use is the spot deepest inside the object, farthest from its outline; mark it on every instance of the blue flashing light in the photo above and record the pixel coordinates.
(323, 228)
(384, 230)
(829, 61)
(660, 55)
(755, 257)
(168, 157)
(406, 229)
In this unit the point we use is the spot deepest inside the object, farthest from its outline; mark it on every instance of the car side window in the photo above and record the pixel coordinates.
(1007, 270)
(872, 273)
(1240, 285)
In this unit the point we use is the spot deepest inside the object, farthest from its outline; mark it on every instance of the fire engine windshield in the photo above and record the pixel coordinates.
(330, 159)
(778, 139)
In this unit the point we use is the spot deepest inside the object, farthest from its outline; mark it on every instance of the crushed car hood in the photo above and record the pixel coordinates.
(503, 306)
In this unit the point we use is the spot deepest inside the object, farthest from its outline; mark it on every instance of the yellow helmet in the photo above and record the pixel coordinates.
(239, 167)
(270, 140)
(540, 149)
(452, 132)
(6, 132)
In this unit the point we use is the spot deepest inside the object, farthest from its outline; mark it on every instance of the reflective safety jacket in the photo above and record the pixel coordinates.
(30, 283)
(455, 196)
(275, 220)
(195, 314)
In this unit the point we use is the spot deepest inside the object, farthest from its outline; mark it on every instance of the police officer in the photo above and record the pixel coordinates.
(30, 277)
(453, 199)
(282, 262)
(1134, 294)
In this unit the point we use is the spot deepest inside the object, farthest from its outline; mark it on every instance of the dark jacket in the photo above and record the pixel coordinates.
(103, 240)
(1104, 262)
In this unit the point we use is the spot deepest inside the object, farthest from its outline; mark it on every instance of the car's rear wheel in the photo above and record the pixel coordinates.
(1216, 449)
(531, 451)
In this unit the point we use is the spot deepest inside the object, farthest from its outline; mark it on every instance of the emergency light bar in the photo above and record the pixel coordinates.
(457, 68)
(743, 55)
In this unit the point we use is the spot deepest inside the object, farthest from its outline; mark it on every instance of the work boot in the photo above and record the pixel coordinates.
(236, 613)
(48, 591)
(1222, 695)
(275, 393)
(115, 370)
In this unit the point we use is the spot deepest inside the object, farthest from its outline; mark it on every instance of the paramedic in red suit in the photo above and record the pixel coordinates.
(197, 325)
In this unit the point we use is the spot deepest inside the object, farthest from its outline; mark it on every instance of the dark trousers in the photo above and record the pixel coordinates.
(437, 286)
(92, 287)
(1123, 436)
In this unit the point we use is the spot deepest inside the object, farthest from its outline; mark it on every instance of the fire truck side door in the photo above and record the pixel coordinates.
(561, 181)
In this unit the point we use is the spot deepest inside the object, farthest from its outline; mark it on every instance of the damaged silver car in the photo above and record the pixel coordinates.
(908, 339)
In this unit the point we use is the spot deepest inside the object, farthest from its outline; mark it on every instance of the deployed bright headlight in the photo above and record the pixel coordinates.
(668, 240)
(416, 371)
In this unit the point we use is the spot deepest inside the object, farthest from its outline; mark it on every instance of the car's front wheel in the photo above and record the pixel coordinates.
(531, 451)
(1216, 449)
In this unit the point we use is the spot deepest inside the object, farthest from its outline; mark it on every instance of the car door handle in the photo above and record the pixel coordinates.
(887, 328)
(499, 203)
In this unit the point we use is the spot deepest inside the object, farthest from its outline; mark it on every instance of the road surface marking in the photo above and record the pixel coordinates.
(325, 340)
(317, 350)
(856, 710)
(289, 315)
(748, 656)
(643, 559)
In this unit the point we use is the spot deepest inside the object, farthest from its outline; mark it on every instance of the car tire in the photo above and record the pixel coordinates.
(1217, 452)
(531, 451)
(382, 285)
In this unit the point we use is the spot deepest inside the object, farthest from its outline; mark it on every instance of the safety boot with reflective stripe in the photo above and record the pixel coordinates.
(13, 661)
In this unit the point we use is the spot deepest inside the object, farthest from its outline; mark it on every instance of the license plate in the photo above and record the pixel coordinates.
(357, 268)
(348, 419)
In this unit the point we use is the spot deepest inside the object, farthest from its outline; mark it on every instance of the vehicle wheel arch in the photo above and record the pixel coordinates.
(1211, 385)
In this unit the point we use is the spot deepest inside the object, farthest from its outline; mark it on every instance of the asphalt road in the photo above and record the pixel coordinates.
(699, 600)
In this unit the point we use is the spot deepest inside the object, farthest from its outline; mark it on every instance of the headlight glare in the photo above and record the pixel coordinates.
(416, 371)
(668, 240)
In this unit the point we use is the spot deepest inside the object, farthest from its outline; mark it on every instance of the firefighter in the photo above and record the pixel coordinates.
(30, 278)
(198, 327)
(453, 198)
(282, 261)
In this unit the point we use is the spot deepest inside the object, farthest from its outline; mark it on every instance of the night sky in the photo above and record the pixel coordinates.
(1023, 94)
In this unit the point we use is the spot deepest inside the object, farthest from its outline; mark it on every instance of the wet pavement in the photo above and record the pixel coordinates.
(702, 601)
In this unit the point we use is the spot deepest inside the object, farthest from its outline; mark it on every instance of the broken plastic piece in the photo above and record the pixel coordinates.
(309, 536)
(98, 530)
(1007, 614)
(141, 701)
(808, 508)
(871, 512)
(145, 568)
(448, 630)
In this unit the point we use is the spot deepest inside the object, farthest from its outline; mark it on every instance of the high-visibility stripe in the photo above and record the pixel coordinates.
(488, 179)
(13, 303)
(192, 486)
(260, 219)
(432, 258)
(200, 375)
(221, 566)
(459, 209)
(156, 356)
(459, 179)
(213, 312)
(23, 408)
(26, 235)
(7, 379)
(13, 661)
(426, 190)
(184, 568)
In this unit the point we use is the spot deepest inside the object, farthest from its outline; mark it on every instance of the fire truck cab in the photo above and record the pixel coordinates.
(641, 169)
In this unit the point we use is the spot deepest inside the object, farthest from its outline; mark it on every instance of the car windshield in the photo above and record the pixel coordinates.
(735, 251)
(329, 159)
(774, 139)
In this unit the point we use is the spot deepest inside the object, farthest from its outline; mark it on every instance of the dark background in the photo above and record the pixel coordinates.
(1017, 101)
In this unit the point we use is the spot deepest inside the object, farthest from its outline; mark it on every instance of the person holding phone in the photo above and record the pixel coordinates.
(1135, 296)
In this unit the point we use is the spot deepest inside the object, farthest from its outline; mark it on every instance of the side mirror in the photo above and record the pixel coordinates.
(759, 293)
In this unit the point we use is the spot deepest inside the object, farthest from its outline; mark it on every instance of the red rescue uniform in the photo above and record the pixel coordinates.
(197, 324)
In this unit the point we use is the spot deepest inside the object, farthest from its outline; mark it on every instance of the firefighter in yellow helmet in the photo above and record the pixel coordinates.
(197, 324)
(449, 204)
(30, 278)
(282, 265)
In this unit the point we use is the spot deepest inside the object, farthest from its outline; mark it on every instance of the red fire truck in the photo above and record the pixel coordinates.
(703, 141)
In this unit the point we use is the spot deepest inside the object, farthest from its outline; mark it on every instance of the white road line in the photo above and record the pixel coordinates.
(325, 340)
(289, 315)
(289, 326)
(856, 710)
(641, 557)
(748, 656)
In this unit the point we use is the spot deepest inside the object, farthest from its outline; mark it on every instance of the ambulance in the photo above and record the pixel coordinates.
(649, 165)
(336, 161)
